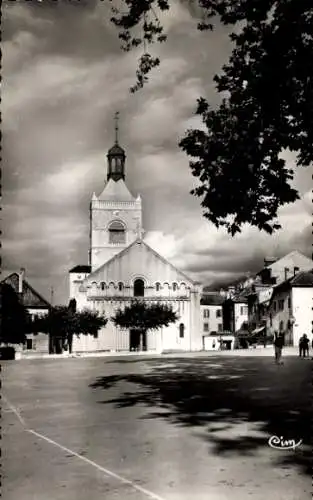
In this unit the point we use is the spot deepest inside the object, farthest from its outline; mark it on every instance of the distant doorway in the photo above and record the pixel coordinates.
(137, 340)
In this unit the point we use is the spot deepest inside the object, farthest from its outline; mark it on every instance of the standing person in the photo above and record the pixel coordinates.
(301, 346)
(305, 345)
(279, 344)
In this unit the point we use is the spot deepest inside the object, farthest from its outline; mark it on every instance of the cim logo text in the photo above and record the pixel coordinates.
(280, 443)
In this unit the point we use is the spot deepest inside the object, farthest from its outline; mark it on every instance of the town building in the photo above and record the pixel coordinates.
(211, 310)
(36, 306)
(219, 341)
(259, 291)
(276, 271)
(235, 311)
(290, 308)
(123, 267)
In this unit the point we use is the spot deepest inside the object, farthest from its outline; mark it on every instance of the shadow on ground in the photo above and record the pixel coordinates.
(239, 402)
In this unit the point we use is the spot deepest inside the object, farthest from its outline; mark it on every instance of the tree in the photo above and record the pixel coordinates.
(14, 319)
(62, 323)
(142, 317)
(266, 108)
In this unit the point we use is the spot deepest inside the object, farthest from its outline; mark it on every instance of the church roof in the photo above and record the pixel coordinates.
(30, 297)
(80, 269)
(128, 249)
(116, 191)
(116, 150)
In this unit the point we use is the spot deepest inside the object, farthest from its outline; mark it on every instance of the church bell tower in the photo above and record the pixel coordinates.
(115, 215)
(116, 158)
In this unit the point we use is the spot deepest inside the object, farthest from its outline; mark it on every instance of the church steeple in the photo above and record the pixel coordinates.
(116, 157)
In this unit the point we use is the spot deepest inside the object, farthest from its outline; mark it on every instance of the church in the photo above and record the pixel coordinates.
(123, 267)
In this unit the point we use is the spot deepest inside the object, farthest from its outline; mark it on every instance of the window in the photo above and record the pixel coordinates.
(102, 285)
(158, 287)
(139, 288)
(116, 232)
(218, 313)
(175, 287)
(243, 310)
(281, 305)
(206, 313)
(274, 306)
(120, 286)
(205, 327)
(219, 327)
(181, 330)
(289, 302)
(29, 343)
(118, 166)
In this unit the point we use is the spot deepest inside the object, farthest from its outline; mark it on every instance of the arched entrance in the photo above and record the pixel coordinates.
(137, 340)
(139, 288)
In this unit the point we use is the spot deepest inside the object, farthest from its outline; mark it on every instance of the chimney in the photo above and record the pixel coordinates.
(268, 261)
(20, 280)
(286, 270)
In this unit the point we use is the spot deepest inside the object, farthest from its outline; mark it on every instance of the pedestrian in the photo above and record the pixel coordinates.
(279, 344)
(304, 346)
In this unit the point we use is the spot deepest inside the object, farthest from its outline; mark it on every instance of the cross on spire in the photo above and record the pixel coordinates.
(116, 118)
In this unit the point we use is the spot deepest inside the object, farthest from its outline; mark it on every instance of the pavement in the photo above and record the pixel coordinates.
(175, 427)
(257, 351)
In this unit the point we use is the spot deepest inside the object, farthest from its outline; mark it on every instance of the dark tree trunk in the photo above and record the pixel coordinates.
(70, 343)
(51, 344)
(58, 345)
(144, 340)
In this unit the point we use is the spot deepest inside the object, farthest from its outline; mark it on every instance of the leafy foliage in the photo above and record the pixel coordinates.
(143, 316)
(62, 321)
(267, 105)
(14, 318)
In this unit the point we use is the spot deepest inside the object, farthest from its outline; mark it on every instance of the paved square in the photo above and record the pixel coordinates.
(165, 428)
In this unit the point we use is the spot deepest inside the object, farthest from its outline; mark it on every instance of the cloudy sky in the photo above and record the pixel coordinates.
(64, 77)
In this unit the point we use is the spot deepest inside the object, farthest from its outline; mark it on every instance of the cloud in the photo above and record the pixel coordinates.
(60, 92)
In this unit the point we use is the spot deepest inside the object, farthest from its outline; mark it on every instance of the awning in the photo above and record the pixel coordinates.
(259, 329)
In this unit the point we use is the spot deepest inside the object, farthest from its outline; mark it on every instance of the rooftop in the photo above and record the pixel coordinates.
(80, 269)
(211, 299)
(30, 297)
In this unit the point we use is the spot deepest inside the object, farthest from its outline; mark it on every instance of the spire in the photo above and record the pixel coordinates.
(116, 118)
(116, 156)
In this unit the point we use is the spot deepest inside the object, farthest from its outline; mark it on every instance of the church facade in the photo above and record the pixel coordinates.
(123, 267)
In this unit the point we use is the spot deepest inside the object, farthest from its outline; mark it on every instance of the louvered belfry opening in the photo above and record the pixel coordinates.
(116, 232)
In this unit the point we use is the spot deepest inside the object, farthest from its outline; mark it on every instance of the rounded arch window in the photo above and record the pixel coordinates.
(181, 330)
(175, 287)
(117, 232)
(158, 287)
(139, 288)
(120, 286)
(102, 285)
